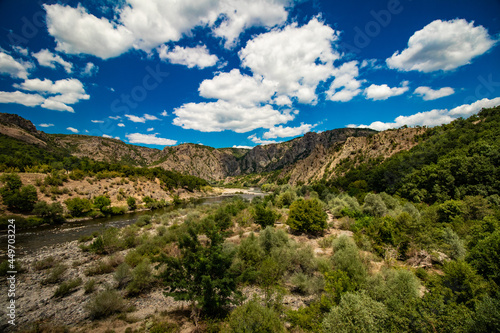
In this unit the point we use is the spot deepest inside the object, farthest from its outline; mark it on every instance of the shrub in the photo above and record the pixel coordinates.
(142, 278)
(51, 212)
(105, 304)
(253, 317)
(132, 203)
(67, 287)
(78, 206)
(307, 216)
(264, 216)
(356, 312)
(102, 202)
(89, 286)
(346, 258)
(44, 263)
(55, 274)
(374, 205)
(143, 220)
(122, 275)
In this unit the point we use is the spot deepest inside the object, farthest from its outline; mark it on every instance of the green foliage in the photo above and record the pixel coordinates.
(78, 206)
(67, 287)
(52, 213)
(485, 257)
(253, 317)
(356, 312)
(346, 258)
(307, 216)
(202, 272)
(374, 205)
(264, 216)
(45, 263)
(132, 203)
(89, 286)
(55, 274)
(122, 275)
(142, 278)
(462, 280)
(105, 304)
(15, 196)
(101, 202)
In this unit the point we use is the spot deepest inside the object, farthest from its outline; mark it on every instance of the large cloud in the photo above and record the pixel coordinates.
(57, 94)
(296, 58)
(433, 117)
(221, 115)
(149, 139)
(76, 32)
(237, 88)
(12, 67)
(189, 56)
(146, 24)
(18, 97)
(442, 45)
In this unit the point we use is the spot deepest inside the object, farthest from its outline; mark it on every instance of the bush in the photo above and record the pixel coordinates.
(50, 212)
(122, 275)
(253, 317)
(67, 287)
(89, 286)
(102, 203)
(132, 203)
(105, 304)
(142, 278)
(143, 220)
(307, 216)
(374, 205)
(264, 216)
(55, 274)
(356, 312)
(48, 262)
(78, 206)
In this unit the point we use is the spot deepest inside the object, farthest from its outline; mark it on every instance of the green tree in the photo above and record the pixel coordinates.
(307, 216)
(253, 317)
(485, 257)
(132, 203)
(51, 212)
(78, 206)
(356, 312)
(202, 272)
(102, 203)
(16, 196)
(264, 216)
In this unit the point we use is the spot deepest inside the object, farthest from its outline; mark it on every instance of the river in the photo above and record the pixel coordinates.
(33, 239)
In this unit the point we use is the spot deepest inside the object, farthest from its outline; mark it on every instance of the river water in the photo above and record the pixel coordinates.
(33, 239)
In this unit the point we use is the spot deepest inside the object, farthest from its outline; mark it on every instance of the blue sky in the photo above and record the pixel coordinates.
(235, 73)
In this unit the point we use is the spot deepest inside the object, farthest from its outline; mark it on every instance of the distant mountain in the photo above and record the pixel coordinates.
(313, 156)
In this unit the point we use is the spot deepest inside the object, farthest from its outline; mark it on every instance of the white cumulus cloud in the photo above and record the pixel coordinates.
(433, 117)
(237, 88)
(146, 24)
(150, 139)
(221, 115)
(345, 86)
(296, 58)
(90, 69)
(12, 67)
(383, 92)
(285, 132)
(442, 45)
(72, 129)
(18, 97)
(46, 125)
(259, 141)
(48, 59)
(429, 94)
(189, 56)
